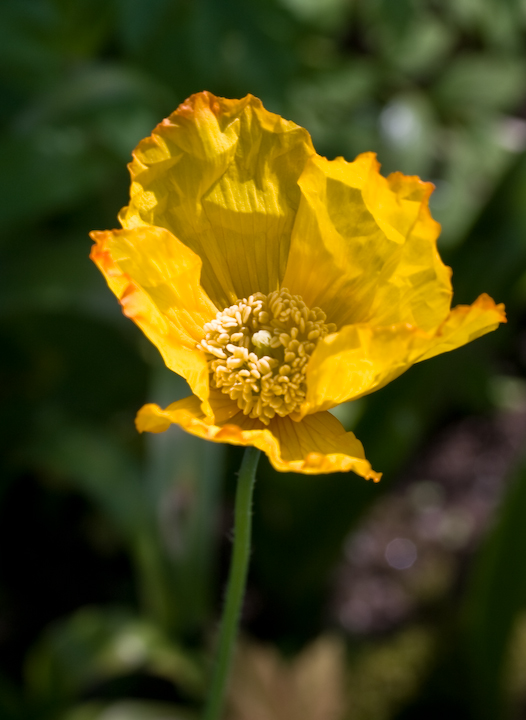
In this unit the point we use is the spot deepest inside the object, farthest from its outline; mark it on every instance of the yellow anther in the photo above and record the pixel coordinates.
(258, 351)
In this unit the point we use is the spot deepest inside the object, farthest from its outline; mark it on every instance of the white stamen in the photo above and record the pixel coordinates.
(262, 339)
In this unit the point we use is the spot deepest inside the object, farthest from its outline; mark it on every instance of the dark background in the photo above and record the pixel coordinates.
(113, 546)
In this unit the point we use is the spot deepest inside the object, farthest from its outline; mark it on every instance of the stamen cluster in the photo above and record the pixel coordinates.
(258, 350)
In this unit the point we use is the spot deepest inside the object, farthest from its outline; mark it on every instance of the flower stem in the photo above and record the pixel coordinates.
(236, 584)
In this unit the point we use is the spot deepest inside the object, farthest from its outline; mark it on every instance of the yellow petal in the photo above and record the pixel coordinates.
(317, 444)
(466, 323)
(221, 175)
(361, 358)
(156, 279)
(364, 247)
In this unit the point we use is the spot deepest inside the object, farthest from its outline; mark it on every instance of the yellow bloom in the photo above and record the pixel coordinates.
(277, 282)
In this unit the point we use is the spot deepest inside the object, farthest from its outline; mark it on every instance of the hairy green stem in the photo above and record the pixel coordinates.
(236, 584)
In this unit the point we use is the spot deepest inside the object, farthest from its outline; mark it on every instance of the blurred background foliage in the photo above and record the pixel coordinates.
(398, 601)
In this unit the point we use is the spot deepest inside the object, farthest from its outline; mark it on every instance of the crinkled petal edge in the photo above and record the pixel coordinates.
(318, 444)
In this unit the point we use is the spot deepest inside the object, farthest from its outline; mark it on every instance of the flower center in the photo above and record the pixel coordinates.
(258, 350)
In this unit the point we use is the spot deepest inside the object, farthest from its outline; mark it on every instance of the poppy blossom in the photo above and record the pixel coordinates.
(278, 283)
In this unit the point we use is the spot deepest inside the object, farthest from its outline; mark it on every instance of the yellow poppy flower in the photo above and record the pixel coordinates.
(277, 282)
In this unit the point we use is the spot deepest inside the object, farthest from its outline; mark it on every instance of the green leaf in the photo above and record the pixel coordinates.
(184, 475)
(103, 470)
(496, 595)
(96, 645)
(128, 710)
(481, 82)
